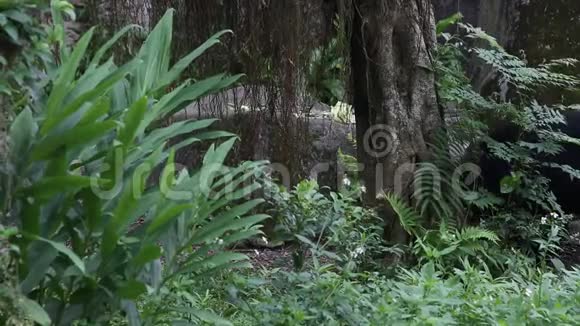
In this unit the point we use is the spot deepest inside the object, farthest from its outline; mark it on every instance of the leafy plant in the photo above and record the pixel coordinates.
(473, 119)
(326, 72)
(93, 229)
(422, 296)
(331, 225)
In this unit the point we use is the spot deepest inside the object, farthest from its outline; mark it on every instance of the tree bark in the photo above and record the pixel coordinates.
(394, 96)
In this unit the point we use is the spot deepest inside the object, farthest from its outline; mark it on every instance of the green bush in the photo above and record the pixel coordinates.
(26, 48)
(331, 225)
(518, 217)
(415, 297)
(94, 234)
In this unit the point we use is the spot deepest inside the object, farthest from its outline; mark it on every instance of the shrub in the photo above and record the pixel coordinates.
(93, 235)
(516, 217)
(332, 225)
(415, 297)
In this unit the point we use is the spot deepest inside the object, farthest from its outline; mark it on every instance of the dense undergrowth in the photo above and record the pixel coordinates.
(89, 237)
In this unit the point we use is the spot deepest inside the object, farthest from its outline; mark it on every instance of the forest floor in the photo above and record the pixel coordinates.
(281, 257)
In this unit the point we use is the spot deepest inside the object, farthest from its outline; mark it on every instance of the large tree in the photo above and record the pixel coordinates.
(394, 95)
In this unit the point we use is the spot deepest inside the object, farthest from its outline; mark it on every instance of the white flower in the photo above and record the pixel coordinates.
(346, 182)
(528, 292)
(363, 189)
(265, 240)
(544, 220)
(357, 252)
(554, 215)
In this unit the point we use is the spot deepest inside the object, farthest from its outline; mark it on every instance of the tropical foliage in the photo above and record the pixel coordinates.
(99, 224)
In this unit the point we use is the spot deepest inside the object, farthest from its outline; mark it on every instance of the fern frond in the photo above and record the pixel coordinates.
(521, 76)
(408, 217)
(473, 233)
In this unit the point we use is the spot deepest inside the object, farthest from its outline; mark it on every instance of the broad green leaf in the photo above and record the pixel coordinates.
(156, 55)
(99, 109)
(103, 49)
(217, 156)
(33, 311)
(40, 257)
(132, 120)
(182, 64)
(77, 136)
(218, 259)
(147, 254)
(51, 186)
(165, 217)
(99, 90)
(443, 24)
(21, 135)
(60, 247)
(92, 208)
(66, 76)
(132, 290)
(223, 224)
(126, 204)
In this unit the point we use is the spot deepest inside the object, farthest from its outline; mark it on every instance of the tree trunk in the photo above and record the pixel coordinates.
(394, 95)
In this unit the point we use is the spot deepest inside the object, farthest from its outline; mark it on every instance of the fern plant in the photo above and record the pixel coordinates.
(530, 139)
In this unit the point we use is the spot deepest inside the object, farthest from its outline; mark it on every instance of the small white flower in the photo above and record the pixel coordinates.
(554, 215)
(528, 292)
(220, 241)
(346, 182)
(357, 252)
(265, 240)
(363, 189)
(544, 220)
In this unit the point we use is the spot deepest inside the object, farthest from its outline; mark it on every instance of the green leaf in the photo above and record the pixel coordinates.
(100, 89)
(132, 290)
(51, 186)
(216, 260)
(77, 136)
(148, 253)
(217, 156)
(12, 31)
(443, 24)
(21, 135)
(182, 64)
(156, 55)
(38, 262)
(165, 217)
(103, 49)
(132, 121)
(99, 109)
(33, 311)
(66, 76)
(92, 208)
(125, 206)
(64, 250)
(510, 183)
